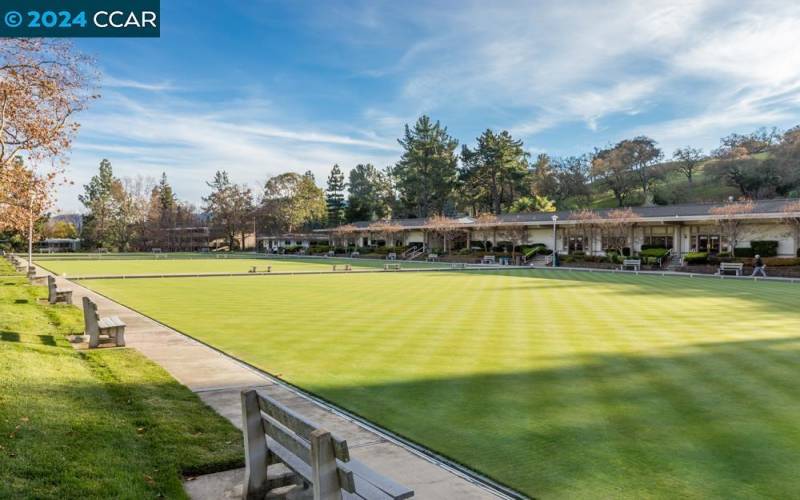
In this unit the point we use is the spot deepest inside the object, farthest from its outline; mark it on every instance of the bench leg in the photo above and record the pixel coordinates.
(255, 448)
(120, 337)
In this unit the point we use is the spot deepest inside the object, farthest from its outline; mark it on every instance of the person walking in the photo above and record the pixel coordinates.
(758, 267)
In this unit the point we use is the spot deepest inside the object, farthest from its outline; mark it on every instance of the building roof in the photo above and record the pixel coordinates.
(763, 209)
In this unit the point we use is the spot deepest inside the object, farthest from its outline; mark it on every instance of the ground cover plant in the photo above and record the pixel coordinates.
(560, 384)
(100, 424)
(148, 265)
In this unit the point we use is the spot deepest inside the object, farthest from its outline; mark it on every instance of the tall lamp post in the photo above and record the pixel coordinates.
(555, 241)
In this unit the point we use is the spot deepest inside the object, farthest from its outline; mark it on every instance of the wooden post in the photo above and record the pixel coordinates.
(255, 447)
(324, 475)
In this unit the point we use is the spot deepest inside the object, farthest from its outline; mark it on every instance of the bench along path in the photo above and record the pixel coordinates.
(219, 380)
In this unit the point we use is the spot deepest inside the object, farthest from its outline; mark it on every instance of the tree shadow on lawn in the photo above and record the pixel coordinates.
(709, 420)
(773, 296)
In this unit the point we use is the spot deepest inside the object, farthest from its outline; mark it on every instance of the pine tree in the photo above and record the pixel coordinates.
(334, 197)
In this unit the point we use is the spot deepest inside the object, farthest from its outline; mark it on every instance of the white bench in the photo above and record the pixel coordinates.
(274, 434)
(488, 259)
(433, 257)
(735, 267)
(254, 269)
(391, 267)
(331, 253)
(355, 254)
(102, 330)
(54, 295)
(391, 256)
(635, 264)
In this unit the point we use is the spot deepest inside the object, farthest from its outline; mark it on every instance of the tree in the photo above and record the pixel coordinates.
(616, 228)
(446, 227)
(572, 176)
(60, 229)
(291, 202)
(737, 146)
(43, 84)
(730, 219)
(640, 155)
(229, 207)
(334, 197)
(688, 159)
(26, 201)
(100, 200)
(487, 221)
(587, 222)
(371, 194)
(611, 169)
(496, 167)
(543, 177)
(385, 230)
(427, 172)
(533, 203)
(342, 234)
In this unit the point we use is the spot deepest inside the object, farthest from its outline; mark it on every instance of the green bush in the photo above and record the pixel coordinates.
(743, 252)
(782, 261)
(764, 248)
(656, 252)
(696, 257)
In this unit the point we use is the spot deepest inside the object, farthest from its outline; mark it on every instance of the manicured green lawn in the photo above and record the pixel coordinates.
(100, 424)
(560, 384)
(88, 267)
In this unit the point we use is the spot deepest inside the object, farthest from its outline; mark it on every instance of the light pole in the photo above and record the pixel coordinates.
(555, 241)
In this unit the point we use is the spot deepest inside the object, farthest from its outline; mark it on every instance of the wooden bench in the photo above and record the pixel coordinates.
(102, 330)
(54, 295)
(274, 434)
(253, 269)
(391, 267)
(488, 259)
(636, 264)
(735, 267)
(347, 267)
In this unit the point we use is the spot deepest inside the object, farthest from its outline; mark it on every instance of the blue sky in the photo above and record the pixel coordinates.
(263, 87)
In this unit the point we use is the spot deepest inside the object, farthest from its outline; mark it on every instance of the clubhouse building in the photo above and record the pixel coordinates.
(685, 228)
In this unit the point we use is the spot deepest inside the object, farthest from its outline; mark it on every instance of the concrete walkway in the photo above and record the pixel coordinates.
(218, 380)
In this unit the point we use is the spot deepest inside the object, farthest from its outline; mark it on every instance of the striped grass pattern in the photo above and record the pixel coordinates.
(76, 268)
(560, 384)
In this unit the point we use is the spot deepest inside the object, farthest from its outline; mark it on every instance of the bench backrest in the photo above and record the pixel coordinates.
(731, 265)
(275, 433)
(90, 316)
(631, 262)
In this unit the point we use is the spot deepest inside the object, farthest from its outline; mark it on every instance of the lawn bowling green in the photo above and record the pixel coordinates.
(560, 384)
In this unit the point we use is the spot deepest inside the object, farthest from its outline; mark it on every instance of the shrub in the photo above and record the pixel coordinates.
(765, 248)
(656, 252)
(653, 247)
(782, 261)
(743, 252)
(696, 257)
(798, 252)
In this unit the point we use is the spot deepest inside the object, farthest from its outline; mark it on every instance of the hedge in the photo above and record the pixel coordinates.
(743, 252)
(696, 257)
(656, 252)
(782, 261)
(765, 248)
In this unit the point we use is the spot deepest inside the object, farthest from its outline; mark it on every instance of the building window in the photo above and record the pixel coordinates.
(573, 244)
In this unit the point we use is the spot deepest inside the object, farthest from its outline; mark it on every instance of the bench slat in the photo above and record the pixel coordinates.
(289, 459)
(367, 479)
(298, 423)
(292, 442)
